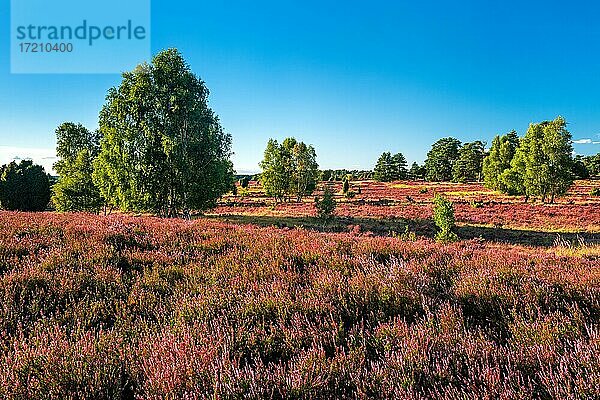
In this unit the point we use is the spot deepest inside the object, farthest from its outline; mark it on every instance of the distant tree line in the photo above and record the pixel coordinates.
(161, 149)
(587, 166)
(339, 175)
(540, 164)
(448, 160)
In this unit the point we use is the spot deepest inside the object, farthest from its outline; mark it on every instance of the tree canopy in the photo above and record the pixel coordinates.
(24, 187)
(467, 167)
(440, 160)
(390, 167)
(417, 171)
(162, 148)
(499, 159)
(580, 170)
(592, 164)
(543, 162)
(289, 169)
(76, 147)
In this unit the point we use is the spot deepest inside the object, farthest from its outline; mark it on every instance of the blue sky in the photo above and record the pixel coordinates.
(352, 78)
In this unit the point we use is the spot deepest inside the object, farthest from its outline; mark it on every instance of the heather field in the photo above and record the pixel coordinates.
(480, 212)
(147, 308)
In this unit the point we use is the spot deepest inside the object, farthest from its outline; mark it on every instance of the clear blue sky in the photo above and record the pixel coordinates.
(352, 78)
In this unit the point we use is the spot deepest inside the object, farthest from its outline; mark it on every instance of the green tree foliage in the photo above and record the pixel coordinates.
(326, 205)
(338, 175)
(71, 138)
(305, 170)
(275, 176)
(77, 148)
(75, 189)
(399, 167)
(326, 175)
(383, 168)
(467, 167)
(580, 170)
(543, 163)
(244, 181)
(441, 158)
(443, 216)
(163, 149)
(345, 186)
(592, 164)
(390, 167)
(417, 171)
(511, 180)
(289, 168)
(499, 159)
(24, 187)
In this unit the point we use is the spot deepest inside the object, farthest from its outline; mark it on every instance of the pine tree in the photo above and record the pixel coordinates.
(383, 169)
(469, 163)
(24, 187)
(441, 158)
(416, 172)
(399, 167)
(326, 205)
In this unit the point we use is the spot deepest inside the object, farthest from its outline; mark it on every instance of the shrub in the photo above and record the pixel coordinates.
(345, 186)
(595, 191)
(325, 206)
(443, 215)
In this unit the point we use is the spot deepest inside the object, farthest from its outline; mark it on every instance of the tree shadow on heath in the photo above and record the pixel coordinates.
(424, 227)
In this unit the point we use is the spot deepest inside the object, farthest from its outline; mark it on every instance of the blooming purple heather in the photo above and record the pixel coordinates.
(125, 307)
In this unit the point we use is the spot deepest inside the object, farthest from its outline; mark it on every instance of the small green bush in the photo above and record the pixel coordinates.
(595, 191)
(345, 186)
(325, 206)
(443, 216)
